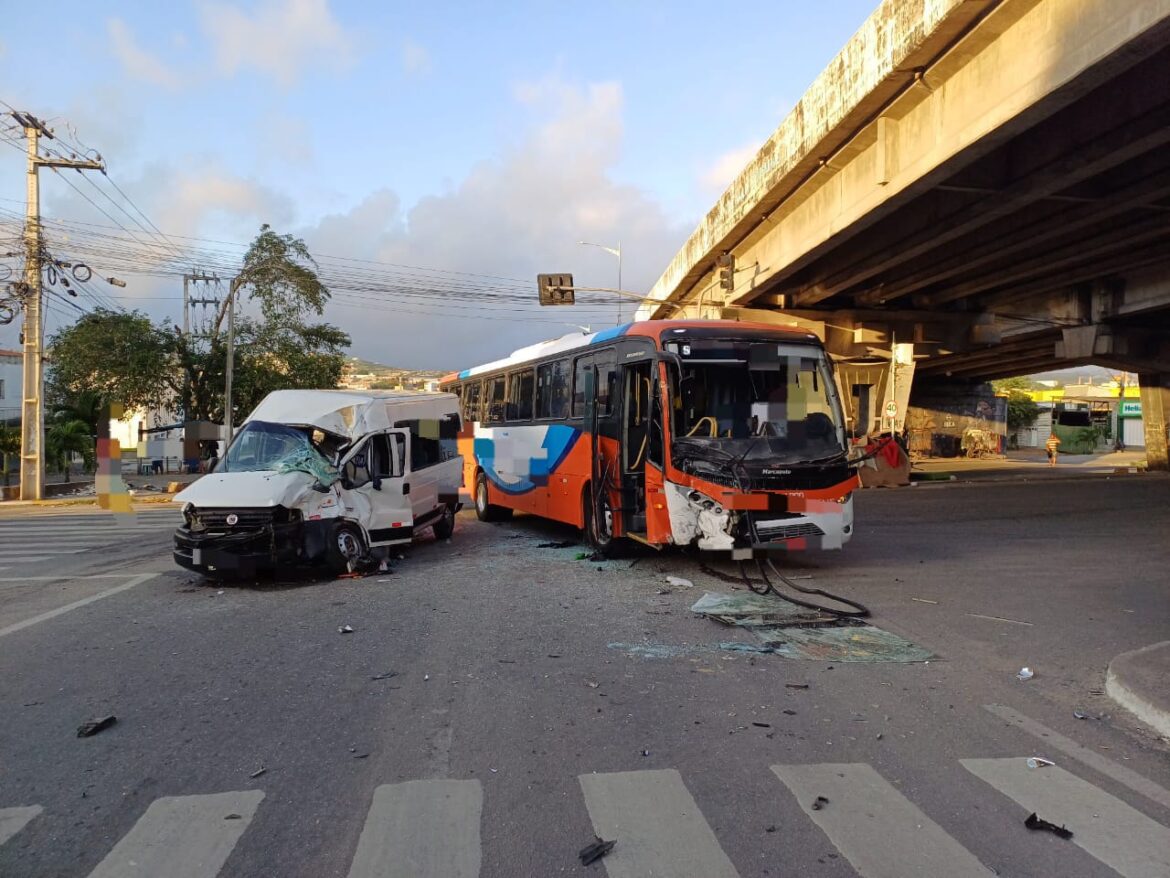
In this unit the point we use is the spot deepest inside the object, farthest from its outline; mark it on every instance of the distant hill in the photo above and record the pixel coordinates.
(362, 374)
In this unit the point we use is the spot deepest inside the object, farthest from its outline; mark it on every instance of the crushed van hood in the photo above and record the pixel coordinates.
(247, 489)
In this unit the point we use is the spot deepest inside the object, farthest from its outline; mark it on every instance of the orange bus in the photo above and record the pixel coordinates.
(725, 435)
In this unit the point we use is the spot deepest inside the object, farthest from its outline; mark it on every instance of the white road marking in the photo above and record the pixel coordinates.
(60, 611)
(1091, 758)
(421, 828)
(12, 820)
(1121, 837)
(182, 837)
(28, 559)
(881, 832)
(657, 825)
(23, 551)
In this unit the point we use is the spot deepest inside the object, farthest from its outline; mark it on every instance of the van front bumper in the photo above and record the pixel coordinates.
(244, 553)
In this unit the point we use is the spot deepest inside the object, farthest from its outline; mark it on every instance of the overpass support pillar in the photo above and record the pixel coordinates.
(1155, 389)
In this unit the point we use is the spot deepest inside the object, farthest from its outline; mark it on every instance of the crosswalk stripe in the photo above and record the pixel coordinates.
(1093, 759)
(1121, 837)
(182, 837)
(881, 832)
(12, 820)
(658, 827)
(421, 828)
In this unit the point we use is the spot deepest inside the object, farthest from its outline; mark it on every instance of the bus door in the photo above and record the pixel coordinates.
(637, 398)
(657, 515)
(598, 373)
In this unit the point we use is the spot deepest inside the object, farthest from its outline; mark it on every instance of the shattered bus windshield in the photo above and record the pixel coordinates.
(752, 401)
(263, 446)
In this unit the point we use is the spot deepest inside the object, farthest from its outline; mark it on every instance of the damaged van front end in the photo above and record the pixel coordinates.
(243, 521)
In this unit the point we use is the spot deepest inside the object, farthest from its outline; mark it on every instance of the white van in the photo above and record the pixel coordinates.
(327, 477)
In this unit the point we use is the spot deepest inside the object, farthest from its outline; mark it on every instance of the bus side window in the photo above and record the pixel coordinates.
(471, 402)
(608, 376)
(494, 401)
(521, 390)
(580, 366)
(552, 390)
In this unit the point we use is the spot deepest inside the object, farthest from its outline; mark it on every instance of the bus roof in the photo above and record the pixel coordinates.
(655, 329)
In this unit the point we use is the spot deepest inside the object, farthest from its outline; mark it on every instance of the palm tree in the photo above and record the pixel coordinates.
(65, 438)
(9, 448)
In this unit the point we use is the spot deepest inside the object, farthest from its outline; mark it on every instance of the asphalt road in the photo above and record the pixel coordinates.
(477, 720)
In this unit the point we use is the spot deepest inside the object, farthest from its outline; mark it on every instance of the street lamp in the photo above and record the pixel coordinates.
(616, 251)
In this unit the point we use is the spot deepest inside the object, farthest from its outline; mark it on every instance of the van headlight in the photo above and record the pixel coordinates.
(188, 513)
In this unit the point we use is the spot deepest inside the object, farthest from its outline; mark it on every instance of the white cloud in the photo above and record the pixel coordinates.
(281, 39)
(512, 216)
(416, 60)
(726, 168)
(288, 138)
(138, 62)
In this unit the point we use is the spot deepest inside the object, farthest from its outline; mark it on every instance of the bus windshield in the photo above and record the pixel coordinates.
(749, 399)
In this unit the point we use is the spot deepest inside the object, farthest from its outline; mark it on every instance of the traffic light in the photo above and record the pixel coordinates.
(726, 265)
(556, 289)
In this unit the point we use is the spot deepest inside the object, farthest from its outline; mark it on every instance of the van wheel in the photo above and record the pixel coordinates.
(599, 524)
(345, 546)
(444, 526)
(484, 510)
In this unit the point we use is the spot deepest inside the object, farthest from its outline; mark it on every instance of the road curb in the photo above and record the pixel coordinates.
(1123, 686)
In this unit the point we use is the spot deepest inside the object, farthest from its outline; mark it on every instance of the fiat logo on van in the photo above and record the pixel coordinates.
(232, 519)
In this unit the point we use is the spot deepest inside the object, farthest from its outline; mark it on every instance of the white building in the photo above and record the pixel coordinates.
(11, 375)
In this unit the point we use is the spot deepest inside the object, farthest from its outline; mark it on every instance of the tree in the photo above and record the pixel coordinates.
(109, 356)
(1022, 410)
(126, 358)
(9, 448)
(66, 438)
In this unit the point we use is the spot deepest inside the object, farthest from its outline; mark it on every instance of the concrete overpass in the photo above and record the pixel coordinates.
(988, 180)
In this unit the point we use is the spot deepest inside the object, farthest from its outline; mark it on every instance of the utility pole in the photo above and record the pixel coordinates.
(32, 413)
(231, 361)
(189, 303)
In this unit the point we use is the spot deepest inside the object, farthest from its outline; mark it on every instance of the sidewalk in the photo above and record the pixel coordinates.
(1140, 682)
(1032, 463)
(144, 489)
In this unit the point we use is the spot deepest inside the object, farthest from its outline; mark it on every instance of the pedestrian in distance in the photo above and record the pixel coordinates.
(1051, 446)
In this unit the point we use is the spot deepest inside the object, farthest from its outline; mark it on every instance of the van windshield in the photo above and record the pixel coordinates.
(262, 446)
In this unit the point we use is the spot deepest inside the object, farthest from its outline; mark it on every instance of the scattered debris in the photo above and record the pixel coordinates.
(1034, 822)
(664, 591)
(763, 725)
(879, 736)
(796, 685)
(360, 755)
(819, 803)
(556, 544)
(680, 582)
(923, 601)
(506, 661)
(385, 676)
(554, 655)
(771, 828)
(233, 817)
(592, 685)
(426, 677)
(1025, 674)
(1080, 714)
(345, 629)
(758, 649)
(581, 556)
(997, 619)
(259, 771)
(789, 712)
(91, 728)
(1039, 762)
(591, 853)
(645, 752)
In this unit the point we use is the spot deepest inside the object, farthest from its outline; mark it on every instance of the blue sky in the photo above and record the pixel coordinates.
(480, 138)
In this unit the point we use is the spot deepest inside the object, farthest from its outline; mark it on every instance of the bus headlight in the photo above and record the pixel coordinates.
(845, 499)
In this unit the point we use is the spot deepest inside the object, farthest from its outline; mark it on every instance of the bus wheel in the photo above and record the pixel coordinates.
(484, 510)
(599, 524)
